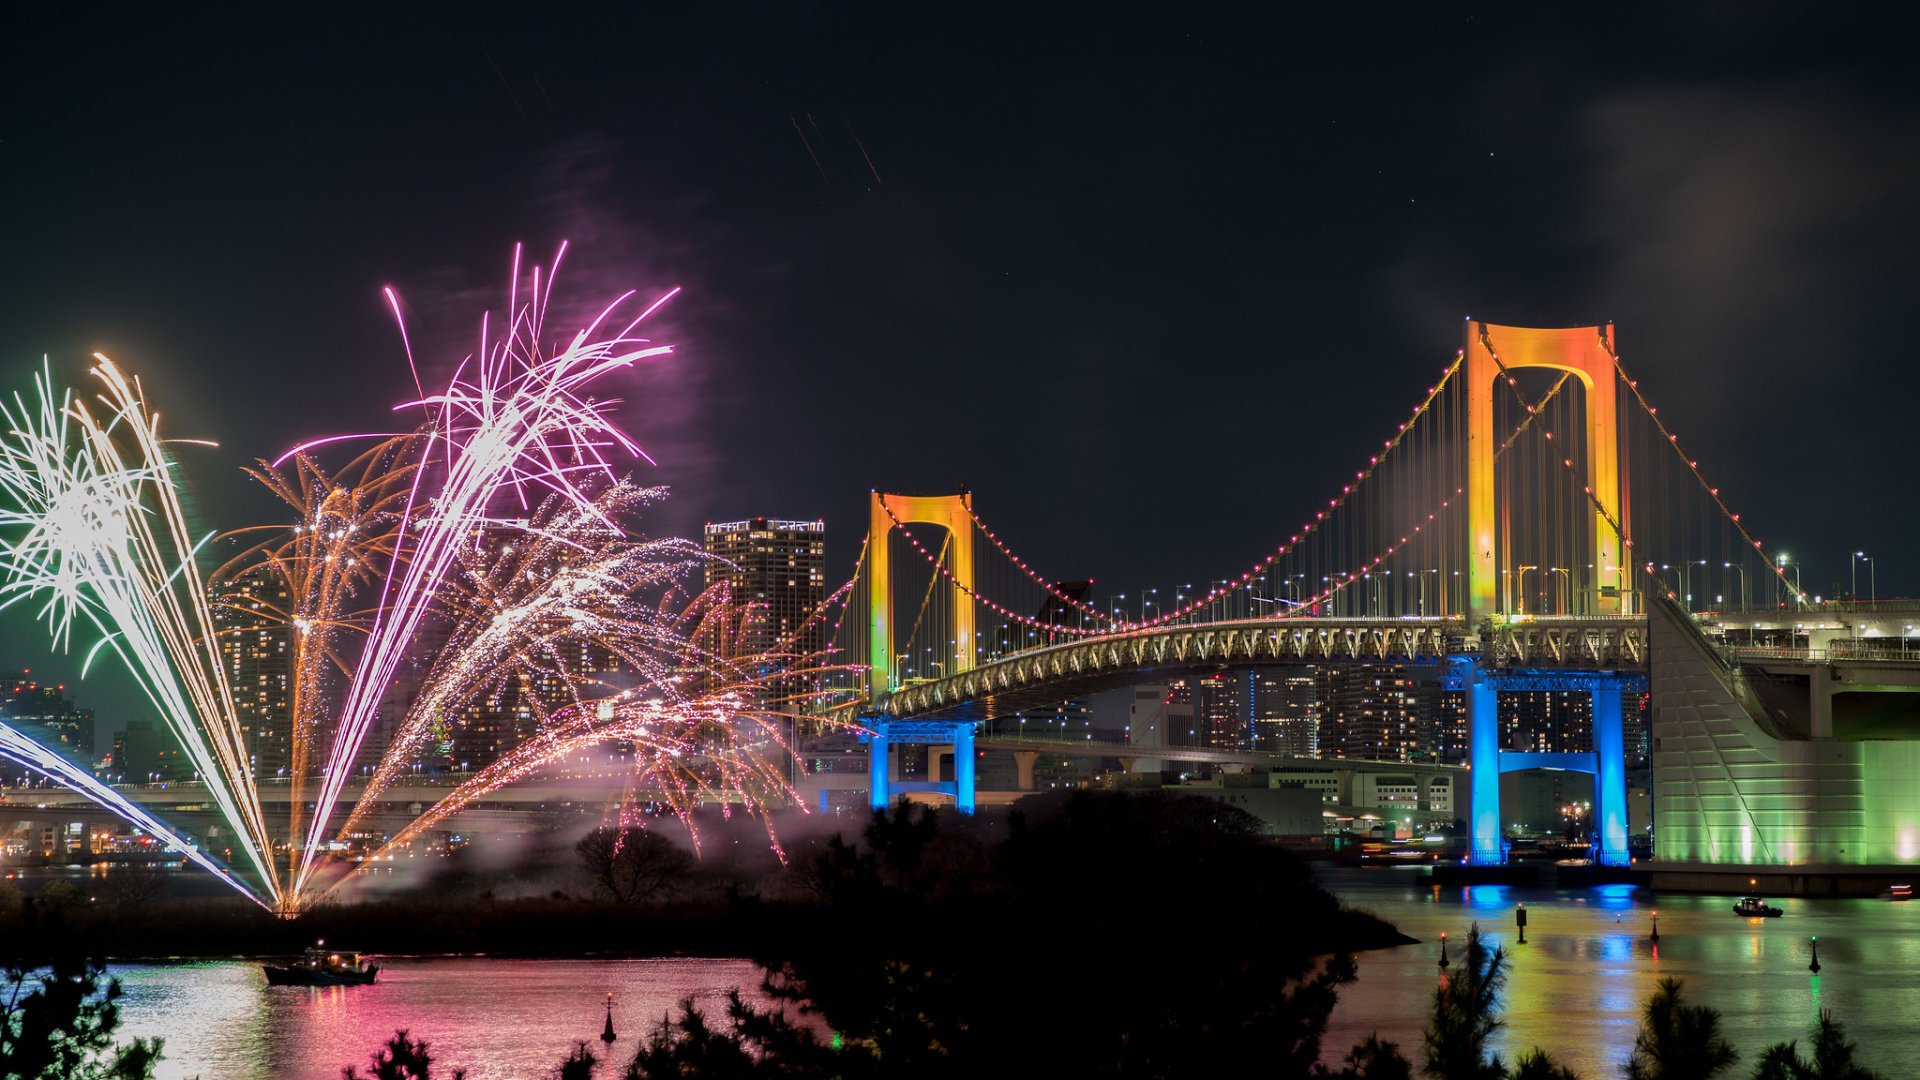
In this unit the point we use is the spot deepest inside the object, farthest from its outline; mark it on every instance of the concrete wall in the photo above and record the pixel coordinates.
(1731, 787)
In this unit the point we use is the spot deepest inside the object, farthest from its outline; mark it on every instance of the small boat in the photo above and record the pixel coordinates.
(320, 966)
(1755, 908)
(1900, 892)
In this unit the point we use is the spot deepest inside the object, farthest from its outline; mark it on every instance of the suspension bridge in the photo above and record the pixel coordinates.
(1531, 524)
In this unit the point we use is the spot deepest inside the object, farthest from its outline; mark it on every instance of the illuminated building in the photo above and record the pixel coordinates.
(775, 571)
(1217, 711)
(1282, 709)
(1547, 721)
(251, 616)
(1373, 711)
(48, 716)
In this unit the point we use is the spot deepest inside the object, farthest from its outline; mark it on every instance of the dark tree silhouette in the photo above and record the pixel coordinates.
(63, 1026)
(135, 884)
(751, 1044)
(1537, 1064)
(1466, 1014)
(1832, 1057)
(632, 865)
(402, 1058)
(579, 1064)
(1678, 1041)
(1372, 1059)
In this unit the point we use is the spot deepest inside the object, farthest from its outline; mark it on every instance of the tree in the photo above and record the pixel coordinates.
(1372, 1059)
(579, 1064)
(631, 865)
(1537, 1064)
(1676, 1041)
(1466, 1014)
(1832, 1057)
(63, 1028)
(752, 1044)
(135, 884)
(402, 1058)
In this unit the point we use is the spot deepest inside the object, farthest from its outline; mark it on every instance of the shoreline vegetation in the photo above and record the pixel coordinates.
(909, 950)
(646, 897)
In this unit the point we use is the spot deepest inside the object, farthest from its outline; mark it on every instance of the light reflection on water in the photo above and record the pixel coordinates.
(497, 1019)
(1578, 985)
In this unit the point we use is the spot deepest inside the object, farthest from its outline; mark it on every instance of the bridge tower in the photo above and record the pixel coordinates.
(1586, 353)
(954, 514)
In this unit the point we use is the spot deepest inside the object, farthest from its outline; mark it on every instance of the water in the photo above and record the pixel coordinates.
(1577, 988)
(498, 1019)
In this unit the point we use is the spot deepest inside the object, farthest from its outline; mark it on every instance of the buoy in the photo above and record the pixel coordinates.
(606, 1034)
(1443, 950)
(1815, 966)
(1656, 926)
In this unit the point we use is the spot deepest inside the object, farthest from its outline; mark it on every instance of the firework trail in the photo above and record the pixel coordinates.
(334, 555)
(96, 529)
(17, 747)
(512, 421)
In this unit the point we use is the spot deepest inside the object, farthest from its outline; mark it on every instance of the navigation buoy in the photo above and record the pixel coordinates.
(1656, 927)
(1815, 966)
(1443, 950)
(606, 1034)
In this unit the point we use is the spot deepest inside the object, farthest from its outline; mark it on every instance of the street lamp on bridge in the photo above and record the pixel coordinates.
(1853, 567)
(1520, 587)
(1566, 582)
(1742, 580)
(1686, 581)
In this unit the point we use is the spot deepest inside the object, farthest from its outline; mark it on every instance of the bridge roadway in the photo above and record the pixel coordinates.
(1043, 676)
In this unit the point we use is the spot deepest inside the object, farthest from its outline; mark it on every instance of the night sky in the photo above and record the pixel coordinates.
(1147, 281)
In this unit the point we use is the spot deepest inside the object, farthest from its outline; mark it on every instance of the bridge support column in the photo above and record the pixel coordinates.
(1023, 768)
(878, 755)
(933, 762)
(1610, 775)
(963, 785)
(1483, 759)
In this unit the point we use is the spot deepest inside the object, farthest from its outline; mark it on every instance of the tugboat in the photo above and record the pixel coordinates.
(319, 966)
(1755, 908)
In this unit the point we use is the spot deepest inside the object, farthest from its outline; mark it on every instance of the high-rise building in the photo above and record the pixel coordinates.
(1547, 721)
(1377, 711)
(775, 572)
(47, 715)
(1218, 711)
(1282, 709)
(253, 618)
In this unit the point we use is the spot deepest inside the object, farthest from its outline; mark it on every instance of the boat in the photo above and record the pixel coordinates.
(1900, 892)
(320, 966)
(1755, 908)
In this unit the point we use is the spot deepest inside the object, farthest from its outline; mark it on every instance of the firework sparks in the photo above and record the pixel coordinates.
(413, 533)
(513, 420)
(87, 494)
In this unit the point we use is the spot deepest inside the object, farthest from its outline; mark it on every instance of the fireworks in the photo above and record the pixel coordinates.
(502, 521)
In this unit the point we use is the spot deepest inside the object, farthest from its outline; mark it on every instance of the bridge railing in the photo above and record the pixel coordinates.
(1845, 649)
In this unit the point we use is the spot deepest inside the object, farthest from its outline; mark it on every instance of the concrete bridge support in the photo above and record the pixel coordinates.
(1607, 763)
(884, 733)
